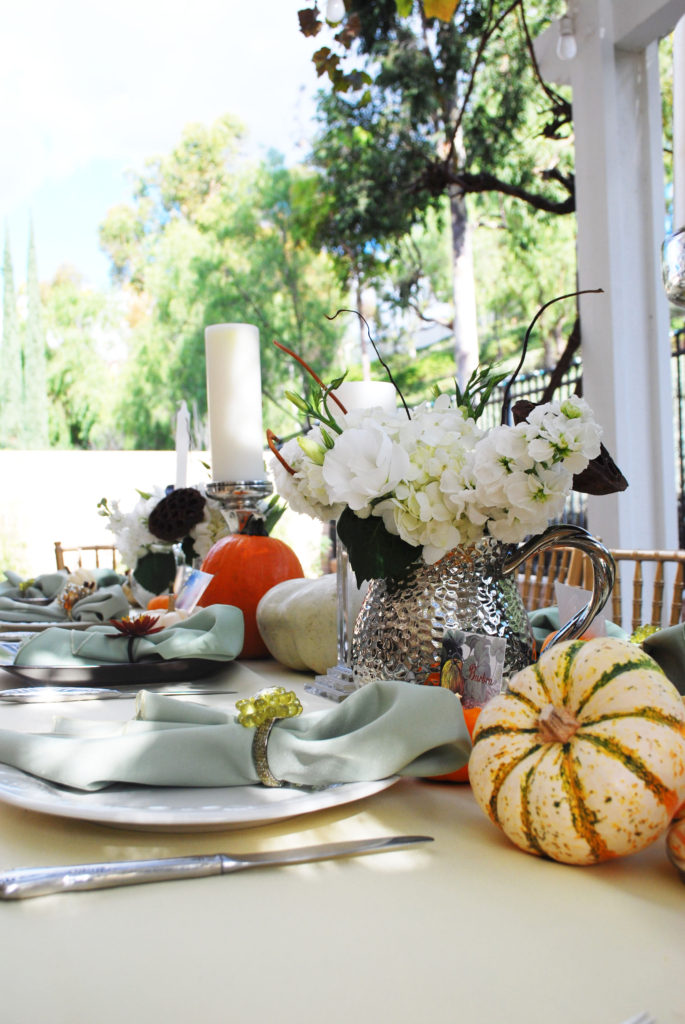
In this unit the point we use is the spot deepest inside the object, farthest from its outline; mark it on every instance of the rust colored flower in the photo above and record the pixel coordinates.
(143, 625)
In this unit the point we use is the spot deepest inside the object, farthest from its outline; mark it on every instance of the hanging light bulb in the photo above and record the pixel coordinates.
(566, 43)
(335, 11)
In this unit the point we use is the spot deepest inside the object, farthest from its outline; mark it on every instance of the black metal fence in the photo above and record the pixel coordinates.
(678, 378)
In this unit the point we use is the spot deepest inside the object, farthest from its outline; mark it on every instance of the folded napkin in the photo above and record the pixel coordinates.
(383, 729)
(667, 647)
(546, 620)
(215, 633)
(18, 604)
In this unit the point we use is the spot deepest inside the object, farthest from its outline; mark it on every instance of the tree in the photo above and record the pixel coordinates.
(35, 383)
(464, 119)
(11, 383)
(84, 343)
(211, 239)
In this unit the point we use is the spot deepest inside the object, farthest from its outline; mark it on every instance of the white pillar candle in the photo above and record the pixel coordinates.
(182, 444)
(234, 401)
(364, 394)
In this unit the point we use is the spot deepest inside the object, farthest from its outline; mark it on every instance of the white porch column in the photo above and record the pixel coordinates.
(620, 215)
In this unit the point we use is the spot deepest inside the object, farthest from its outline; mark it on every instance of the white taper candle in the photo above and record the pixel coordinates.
(182, 444)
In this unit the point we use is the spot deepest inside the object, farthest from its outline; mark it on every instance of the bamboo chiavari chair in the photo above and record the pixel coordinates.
(650, 603)
(107, 552)
(538, 574)
(649, 587)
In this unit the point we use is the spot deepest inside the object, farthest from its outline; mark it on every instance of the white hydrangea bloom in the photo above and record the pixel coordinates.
(363, 465)
(437, 479)
(305, 491)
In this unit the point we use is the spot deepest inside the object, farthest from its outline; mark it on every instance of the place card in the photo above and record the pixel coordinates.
(472, 666)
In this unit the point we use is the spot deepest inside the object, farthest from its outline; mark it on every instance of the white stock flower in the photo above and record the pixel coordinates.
(564, 432)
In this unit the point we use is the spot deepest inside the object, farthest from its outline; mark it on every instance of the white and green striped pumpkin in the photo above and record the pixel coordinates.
(583, 758)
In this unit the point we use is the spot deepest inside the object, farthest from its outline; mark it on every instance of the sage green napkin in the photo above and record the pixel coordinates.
(667, 647)
(544, 621)
(383, 729)
(17, 603)
(215, 633)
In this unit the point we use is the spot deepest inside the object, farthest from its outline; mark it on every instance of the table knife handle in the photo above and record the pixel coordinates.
(21, 883)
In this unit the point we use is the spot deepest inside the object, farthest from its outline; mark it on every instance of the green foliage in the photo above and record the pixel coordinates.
(81, 378)
(35, 412)
(479, 387)
(211, 239)
(156, 571)
(374, 553)
(11, 381)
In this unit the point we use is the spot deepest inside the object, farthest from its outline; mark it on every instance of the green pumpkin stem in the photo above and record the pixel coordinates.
(254, 526)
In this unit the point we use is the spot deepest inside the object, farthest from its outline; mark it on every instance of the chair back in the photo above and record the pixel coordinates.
(538, 574)
(649, 587)
(85, 556)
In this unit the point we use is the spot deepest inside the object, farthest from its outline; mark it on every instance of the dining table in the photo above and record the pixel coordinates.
(466, 929)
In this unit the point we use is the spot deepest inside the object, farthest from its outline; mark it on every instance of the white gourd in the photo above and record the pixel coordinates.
(298, 622)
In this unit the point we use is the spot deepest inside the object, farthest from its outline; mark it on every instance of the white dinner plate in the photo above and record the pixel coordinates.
(167, 809)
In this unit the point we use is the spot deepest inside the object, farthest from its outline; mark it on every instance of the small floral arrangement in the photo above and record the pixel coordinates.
(160, 517)
(416, 483)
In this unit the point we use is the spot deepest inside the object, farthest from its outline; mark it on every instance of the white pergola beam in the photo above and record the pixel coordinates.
(637, 23)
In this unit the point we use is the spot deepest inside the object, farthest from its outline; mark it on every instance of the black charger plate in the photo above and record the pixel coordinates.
(140, 673)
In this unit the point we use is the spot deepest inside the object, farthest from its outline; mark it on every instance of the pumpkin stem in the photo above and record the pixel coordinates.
(556, 725)
(254, 526)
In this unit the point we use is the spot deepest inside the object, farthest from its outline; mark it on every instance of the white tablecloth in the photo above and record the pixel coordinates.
(466, 930)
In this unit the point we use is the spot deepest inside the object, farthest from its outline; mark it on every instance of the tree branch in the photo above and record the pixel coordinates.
(485, 182)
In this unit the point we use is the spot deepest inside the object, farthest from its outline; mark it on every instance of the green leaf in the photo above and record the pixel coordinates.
(188, 549)
(274, 511)
(373, 552)
(156, 571)
(404, 7)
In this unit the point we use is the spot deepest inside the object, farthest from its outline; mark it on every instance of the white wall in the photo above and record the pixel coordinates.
(53, 495)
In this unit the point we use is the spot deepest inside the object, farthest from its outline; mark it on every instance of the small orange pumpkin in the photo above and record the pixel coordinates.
(462, 774)
(244, 566)
(161, 601)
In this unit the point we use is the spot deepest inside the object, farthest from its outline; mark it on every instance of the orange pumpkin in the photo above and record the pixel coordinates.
(244, 566)
(462, 774)
(161, 601)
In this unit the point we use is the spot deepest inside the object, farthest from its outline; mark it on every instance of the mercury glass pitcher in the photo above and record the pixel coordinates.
(399, 631)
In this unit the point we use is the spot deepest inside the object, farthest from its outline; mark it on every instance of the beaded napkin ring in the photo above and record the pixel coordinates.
(72, 593)
(260, 712)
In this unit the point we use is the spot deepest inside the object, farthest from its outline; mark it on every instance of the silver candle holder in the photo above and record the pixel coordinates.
(239, 499)
(338, 682)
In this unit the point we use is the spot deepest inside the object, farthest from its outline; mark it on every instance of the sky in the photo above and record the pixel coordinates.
(92, 90)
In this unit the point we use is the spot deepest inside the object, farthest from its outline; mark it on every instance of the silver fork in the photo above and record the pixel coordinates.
(641, 1018)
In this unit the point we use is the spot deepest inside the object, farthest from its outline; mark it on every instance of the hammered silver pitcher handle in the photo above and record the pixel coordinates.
(603, 569)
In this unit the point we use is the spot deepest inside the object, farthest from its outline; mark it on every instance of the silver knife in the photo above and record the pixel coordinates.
(57, 694)
(20, 883)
